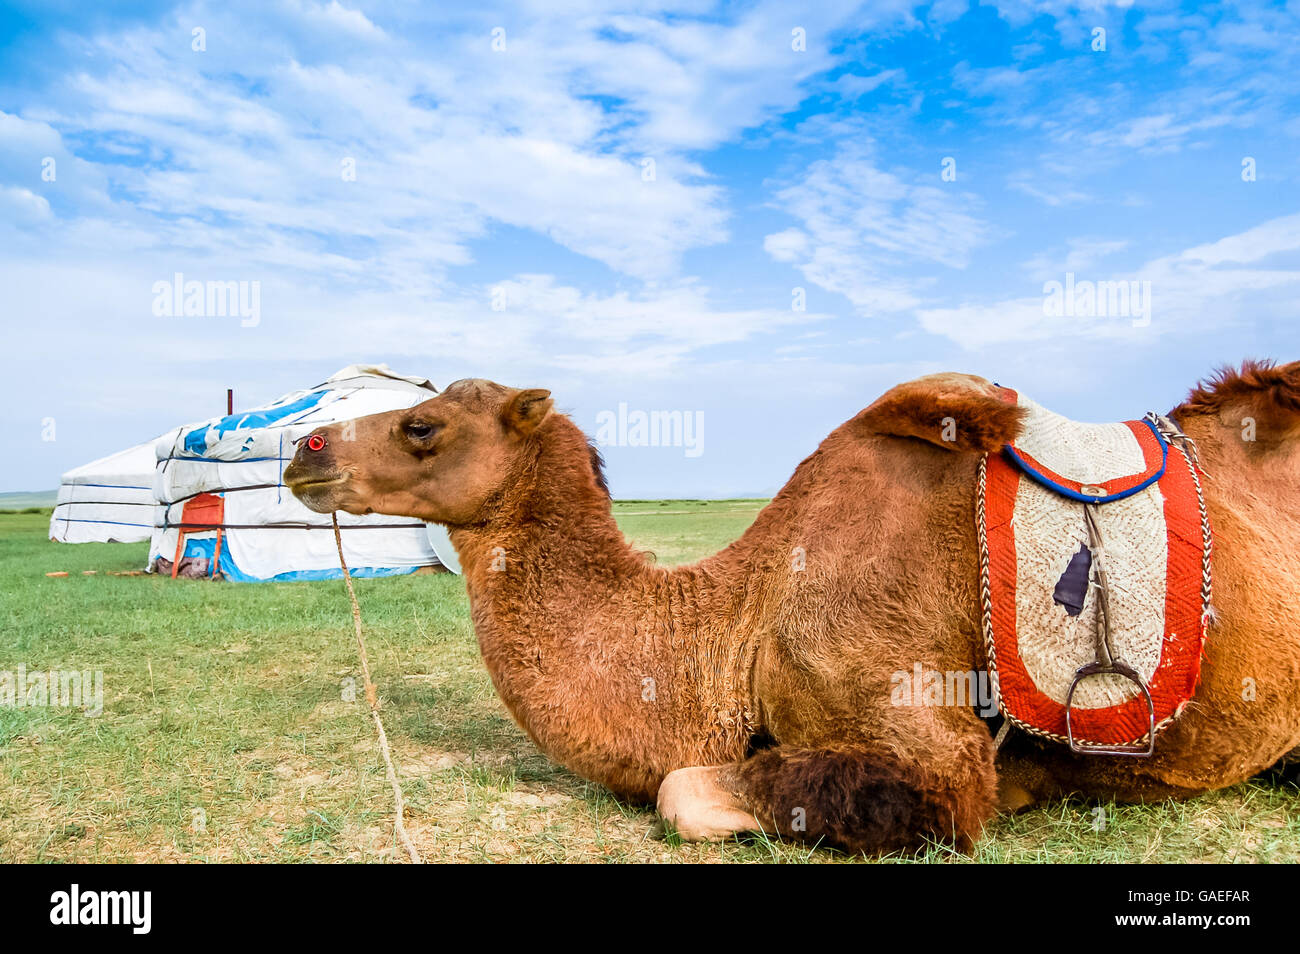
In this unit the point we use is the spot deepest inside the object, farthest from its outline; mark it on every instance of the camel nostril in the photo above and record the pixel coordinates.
(316, 442)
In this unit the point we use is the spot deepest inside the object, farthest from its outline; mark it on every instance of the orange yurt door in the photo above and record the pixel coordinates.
(202, 513)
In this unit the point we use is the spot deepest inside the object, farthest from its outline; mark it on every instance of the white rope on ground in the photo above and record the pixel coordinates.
(372, 697)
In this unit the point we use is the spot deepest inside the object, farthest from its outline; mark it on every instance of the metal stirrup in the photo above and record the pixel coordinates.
(1106, 663)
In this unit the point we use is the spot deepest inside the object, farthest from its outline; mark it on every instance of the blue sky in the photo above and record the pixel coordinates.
(518, 174)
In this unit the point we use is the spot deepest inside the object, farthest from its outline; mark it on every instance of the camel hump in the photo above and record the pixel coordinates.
(958, 412)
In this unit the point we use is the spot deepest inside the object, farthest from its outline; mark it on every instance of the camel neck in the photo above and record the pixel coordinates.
(553, 516)
(618, 669)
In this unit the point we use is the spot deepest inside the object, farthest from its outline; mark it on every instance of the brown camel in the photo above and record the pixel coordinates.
(752, 690)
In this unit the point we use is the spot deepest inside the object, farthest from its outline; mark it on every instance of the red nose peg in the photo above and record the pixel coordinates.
(316, 442)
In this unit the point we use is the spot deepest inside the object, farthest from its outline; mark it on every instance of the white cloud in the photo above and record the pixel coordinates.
(1236, 281)
(526, 325)
(973, 326)
(343, 18)
(241, 145)
(852, 86)
(1263, 241)
(1080, 254)
(1031, 186)
(521, 171)
(22, 205)
(859, 223)
(1157, 133)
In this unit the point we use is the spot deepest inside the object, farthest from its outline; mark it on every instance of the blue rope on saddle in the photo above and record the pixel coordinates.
(1073, 494)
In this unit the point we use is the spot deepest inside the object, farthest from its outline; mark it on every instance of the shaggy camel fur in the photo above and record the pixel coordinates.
(751, 690)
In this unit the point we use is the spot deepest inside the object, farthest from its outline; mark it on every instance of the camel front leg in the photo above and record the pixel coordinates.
(861, 799)
(694, 802)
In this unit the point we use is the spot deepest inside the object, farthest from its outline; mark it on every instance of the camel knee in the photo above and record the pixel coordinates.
(864, 800)
(700, 809)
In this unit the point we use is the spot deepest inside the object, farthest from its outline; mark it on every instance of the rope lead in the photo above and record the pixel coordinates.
(372, 698)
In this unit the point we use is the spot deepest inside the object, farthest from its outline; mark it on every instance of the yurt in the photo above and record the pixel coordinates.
(222, 509)
(109, 500)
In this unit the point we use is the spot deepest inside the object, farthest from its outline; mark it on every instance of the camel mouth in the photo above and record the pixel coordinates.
(317, 493)
(312, 484)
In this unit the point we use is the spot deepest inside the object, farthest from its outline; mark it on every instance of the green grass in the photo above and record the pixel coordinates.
(225, 736)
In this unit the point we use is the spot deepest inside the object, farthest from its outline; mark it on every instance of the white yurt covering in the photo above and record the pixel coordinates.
(109, 500)
(266, 533)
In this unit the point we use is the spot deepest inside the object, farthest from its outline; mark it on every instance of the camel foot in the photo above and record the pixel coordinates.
(699, 808)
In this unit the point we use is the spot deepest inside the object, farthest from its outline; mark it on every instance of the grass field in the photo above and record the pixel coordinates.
(225, 737)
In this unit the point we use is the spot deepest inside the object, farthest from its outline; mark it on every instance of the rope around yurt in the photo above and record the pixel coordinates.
(372, 697)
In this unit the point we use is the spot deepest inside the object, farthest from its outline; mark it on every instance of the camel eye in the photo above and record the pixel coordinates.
(420, 431)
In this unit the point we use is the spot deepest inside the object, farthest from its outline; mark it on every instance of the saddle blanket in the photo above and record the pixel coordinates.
(1040, 611)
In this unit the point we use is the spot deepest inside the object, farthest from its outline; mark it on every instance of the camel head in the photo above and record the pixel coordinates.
(1254, 409)
(440, 461)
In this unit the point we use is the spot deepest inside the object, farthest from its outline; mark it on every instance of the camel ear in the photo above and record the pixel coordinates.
(526, 409)
(958, 412)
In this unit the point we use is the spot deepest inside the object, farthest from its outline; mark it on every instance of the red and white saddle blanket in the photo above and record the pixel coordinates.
(1040, 609)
